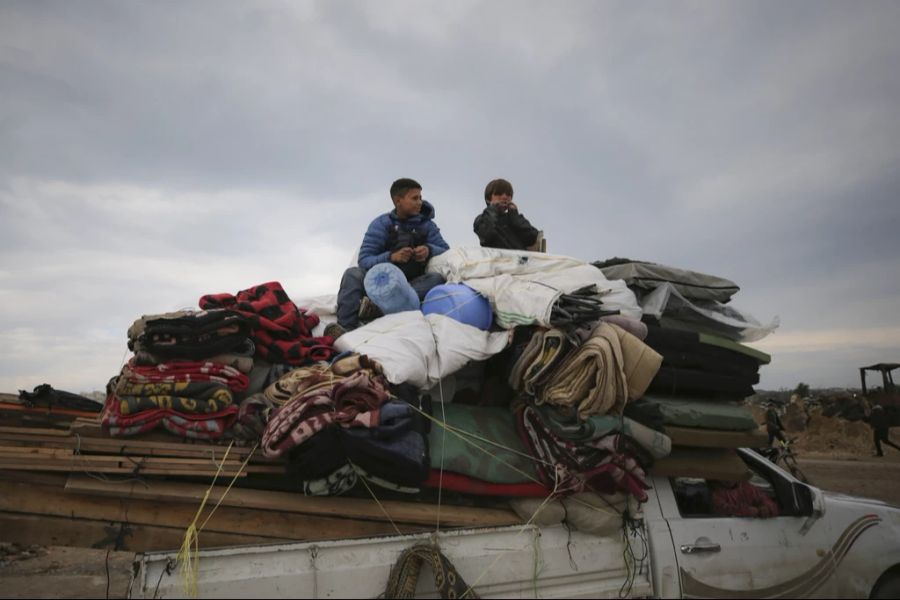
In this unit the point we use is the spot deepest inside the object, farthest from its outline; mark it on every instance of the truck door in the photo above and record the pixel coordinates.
(741, 557)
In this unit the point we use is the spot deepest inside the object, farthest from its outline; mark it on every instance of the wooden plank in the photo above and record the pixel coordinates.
(82, 533)
(85, 467)
(174, 447)
(33, 451)
(708, 438)
(54, 501)
(114, 447)
(62, 456)
(51, 479)
(34, 431)
(357, 508)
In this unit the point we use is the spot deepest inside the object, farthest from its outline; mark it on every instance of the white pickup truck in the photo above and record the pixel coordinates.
(822, 545)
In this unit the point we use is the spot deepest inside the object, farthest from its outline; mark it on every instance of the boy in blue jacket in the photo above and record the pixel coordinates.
(407, 237)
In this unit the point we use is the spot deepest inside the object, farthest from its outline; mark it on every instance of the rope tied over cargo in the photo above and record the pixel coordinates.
(188, 556)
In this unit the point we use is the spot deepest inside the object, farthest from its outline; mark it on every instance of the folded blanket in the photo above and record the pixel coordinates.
(184, 372)
(457, 482)
(569, 427)
(241, 357)
(353, 402)
(281, 331)
(304, 380)
(490, 449)
(192, 335)
(209, 426)
(608, 369)
(605, 465)
(591, 378)
(673, 380)
(201, 397)
(691, 411)
(253, 415)
(553, 350)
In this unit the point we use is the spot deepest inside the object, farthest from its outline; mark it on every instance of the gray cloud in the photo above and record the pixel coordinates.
(153, 152)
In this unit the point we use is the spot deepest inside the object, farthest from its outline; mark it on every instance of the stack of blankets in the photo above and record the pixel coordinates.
(183, 376)
(191, 368)
(341, 422)
(568, 434)
(698, 394)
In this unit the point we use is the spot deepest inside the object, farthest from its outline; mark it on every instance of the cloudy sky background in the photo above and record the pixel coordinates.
(155, 152)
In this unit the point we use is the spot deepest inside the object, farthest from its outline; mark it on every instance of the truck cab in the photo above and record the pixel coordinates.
(820, 544)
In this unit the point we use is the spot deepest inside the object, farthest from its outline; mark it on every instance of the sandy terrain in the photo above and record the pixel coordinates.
(868, 476)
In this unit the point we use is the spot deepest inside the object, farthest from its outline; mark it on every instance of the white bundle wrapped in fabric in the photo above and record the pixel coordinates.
(472, 262)
(421, 349)
(523, 286)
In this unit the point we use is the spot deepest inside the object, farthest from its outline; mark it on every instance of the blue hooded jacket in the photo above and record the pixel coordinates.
(388, 233)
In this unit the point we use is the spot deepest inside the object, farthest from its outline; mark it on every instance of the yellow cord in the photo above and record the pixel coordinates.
(188, 556)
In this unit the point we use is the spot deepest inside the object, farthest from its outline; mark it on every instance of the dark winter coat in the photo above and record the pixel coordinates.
(389, 233)
(509, 230)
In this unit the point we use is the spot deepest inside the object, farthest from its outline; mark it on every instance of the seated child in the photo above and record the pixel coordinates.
(407, 237)
(501, 225)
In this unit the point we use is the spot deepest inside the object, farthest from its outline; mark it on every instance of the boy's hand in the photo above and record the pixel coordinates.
(403, 255)
(420, 253)
(511, 207)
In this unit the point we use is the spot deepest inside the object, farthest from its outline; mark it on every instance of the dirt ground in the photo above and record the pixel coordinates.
(837, 455)
(868, 477)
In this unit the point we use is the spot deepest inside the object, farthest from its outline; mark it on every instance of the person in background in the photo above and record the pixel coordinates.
(774, 427)
(407, 237)
(501, 225)
(880, 422)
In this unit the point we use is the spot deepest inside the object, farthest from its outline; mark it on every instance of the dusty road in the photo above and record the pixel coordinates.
(869, 477)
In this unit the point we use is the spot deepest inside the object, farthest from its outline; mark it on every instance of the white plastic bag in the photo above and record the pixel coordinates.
(667, 303)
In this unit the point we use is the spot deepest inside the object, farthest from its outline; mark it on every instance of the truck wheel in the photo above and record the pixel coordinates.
(888, 588)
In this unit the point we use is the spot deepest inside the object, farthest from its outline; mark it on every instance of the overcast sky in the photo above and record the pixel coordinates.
(154, 152)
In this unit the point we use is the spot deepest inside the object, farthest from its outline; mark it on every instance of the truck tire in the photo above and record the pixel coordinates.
(888, 586)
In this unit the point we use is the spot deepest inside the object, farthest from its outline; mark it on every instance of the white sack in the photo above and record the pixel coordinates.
(526, 299)
(522, 287)
(471, 262)
(420, 350)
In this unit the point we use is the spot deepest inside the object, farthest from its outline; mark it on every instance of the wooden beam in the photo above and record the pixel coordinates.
(54, 501)
(355, 508)
(171, 447)
(80, 533)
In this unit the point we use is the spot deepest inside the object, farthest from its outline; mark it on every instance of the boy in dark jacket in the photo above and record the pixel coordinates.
(407, 237)
(501, 225)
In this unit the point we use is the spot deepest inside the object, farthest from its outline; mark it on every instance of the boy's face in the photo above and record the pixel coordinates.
(409, 204)
(502, 199)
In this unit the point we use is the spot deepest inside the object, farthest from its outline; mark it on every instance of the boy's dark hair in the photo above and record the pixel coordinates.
(403, 185)
(497, 186)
